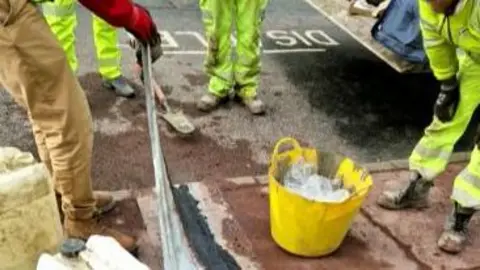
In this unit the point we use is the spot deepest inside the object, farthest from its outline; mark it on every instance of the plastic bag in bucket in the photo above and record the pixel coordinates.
(308, 227)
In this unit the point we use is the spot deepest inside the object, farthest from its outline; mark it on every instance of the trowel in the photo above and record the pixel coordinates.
(176, 119)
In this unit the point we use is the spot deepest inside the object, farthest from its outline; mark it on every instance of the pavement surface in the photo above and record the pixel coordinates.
(320, 86)
(237, 211)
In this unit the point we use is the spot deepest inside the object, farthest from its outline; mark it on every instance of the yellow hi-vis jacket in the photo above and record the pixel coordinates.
(443, 35)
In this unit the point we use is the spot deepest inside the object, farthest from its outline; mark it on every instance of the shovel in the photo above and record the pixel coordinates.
(176, 119)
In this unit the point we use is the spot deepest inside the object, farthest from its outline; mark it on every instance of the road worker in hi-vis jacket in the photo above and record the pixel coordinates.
(451, 36)
(35, 70)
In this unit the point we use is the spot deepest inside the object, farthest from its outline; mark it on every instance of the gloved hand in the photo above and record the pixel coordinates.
(155, 51)
(447, 100)
(142, 27)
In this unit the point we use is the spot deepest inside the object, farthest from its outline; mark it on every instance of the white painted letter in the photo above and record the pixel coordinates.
(194, 34)
(278, 35)
(167, 40)
(304, 40)
(325, 40)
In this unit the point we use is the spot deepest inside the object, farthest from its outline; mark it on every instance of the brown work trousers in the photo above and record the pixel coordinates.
(34, 69)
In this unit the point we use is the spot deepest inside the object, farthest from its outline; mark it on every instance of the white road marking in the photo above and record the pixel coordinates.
(271, 51)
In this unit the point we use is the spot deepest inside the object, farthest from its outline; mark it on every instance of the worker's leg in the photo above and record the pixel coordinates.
(218, 22)
(109, 57)
(466, 200)
(432, 153)
(62, 19)
(249, 18)
(34, 69)
(466, 188)
(42, 149)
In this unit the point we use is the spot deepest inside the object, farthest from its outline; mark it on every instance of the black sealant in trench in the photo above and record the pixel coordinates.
(210, 254)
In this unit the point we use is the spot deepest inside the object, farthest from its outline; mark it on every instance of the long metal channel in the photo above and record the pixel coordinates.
(176, 251)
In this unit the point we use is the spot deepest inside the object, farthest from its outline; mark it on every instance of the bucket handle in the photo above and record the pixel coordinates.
(287, 140)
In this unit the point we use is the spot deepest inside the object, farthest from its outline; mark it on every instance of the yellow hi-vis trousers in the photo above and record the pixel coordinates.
(61, 17)
(34, 69)
(431, 155)
(225, 72)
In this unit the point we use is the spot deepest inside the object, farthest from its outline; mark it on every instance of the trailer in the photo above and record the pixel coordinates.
(359, 28)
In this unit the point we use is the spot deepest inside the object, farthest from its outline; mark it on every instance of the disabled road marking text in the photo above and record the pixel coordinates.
(279, 42)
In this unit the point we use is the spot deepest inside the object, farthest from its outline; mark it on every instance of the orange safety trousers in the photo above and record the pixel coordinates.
(35, 70)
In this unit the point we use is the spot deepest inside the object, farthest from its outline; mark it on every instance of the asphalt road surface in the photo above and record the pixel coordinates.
(320, 85)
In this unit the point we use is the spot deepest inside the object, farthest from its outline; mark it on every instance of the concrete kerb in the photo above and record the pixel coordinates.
(374, 167)
(402, 164)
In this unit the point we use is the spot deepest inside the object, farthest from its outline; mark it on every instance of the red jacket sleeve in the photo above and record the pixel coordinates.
(118, 13)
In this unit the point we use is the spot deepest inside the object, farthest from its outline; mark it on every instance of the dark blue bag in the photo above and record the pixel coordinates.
(398, 29)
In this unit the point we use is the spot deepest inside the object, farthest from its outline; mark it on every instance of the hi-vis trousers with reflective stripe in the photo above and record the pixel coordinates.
(219, 17)
(61, 16)
(431, 155)
(34, 69)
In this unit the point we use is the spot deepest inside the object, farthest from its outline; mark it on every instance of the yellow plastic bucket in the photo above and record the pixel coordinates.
(306, 227)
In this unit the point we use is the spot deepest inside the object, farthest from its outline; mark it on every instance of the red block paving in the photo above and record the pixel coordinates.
(363, 248)
(127, 217)
(418, 230)
(378, 239)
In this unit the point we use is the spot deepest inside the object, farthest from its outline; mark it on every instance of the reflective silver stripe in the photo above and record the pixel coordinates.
(109, 62)
(466, 189)
(428, 26)
(432, 42)
(227, 76)
(432, 152)
(470, 178)
(426, 174)
(58, 11)
(464, 199)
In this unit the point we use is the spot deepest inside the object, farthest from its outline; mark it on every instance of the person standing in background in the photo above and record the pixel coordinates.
(62, 19)
(242, 72)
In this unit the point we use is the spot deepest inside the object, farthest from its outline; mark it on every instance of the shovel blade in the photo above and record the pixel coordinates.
(179, 122)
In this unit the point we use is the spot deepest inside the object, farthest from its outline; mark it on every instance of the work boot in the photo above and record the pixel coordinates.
(255, 105)
(121, 86)
(208, 102)
(83, 229)
(454, 236)
(104, 203)
(413, 195)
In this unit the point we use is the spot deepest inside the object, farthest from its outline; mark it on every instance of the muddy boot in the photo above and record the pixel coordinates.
(413, 195)
(104, 203)
(454, 236)
(121, 87)
(83, 229)
(254, 105)
(208, 102)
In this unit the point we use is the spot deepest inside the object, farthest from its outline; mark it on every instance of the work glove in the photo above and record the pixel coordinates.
(142, 27)
(155, 51)
(447, 100)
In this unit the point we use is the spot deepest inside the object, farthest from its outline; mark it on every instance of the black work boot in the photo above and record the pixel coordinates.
(413, 195)
(454, 236)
